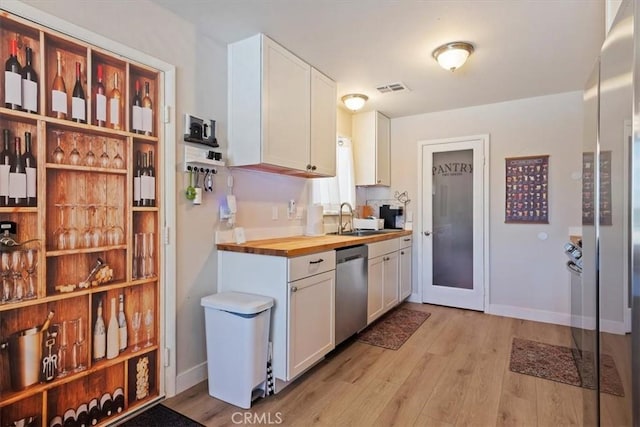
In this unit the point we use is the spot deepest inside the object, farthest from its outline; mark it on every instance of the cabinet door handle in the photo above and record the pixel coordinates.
(407, 240)
(386, 258)
(401, 252)
(316, 262)
(308, 167)
(427, 233)
(313, 167)
(294, 289)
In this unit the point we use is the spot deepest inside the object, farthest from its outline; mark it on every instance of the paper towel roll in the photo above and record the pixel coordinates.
(315, 222)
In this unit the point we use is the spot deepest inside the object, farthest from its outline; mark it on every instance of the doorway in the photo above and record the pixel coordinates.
(454, 221)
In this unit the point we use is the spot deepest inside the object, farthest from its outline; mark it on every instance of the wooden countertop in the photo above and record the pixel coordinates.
(304, 245)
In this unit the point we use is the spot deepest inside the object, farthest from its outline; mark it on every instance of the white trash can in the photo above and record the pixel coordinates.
(237, 330)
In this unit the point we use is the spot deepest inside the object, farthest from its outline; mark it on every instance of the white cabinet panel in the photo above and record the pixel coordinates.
(391, 275)
(405, 272)
(372, 148)
(323, 124)
(375, 304)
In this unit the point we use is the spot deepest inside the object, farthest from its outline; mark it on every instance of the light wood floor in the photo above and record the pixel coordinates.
(452, 372)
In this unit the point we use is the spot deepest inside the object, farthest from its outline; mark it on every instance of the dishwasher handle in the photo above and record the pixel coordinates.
(350, 258)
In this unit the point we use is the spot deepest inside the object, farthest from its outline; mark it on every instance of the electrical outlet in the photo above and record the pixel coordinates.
(292, 209)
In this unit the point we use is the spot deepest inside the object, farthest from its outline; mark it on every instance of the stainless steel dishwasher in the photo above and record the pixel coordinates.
(351, 291)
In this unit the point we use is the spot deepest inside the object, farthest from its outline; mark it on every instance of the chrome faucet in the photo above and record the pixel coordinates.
(342, 227)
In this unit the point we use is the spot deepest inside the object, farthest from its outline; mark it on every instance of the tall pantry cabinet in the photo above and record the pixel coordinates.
(91, 251)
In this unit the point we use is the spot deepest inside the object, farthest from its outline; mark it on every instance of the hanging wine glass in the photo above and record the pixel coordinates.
(86, 237)
(104, 157)
(60, 235)
(96, 232)
(117, 230)
(90, 158)
(112, 238)
(72, 232)
(118, 162)
(58, 153)
(31, 260)
(74, 156)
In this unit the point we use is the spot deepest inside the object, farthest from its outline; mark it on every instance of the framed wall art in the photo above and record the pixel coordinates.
(527, 185)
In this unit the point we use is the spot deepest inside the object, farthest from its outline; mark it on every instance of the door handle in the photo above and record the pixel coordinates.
(294, 289)
(427, 233)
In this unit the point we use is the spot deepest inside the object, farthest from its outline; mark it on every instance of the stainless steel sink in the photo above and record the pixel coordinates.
(361, 233)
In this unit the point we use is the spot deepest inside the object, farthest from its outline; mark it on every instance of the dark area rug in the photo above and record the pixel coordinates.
(394, 328)
(558, 363)
(160, 416)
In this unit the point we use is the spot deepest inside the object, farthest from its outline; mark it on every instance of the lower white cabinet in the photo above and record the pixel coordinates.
(383, 266)
(375, 302)
(405, 267)
(391, 269)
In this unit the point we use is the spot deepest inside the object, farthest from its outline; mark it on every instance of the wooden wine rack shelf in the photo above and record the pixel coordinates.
(81, 195)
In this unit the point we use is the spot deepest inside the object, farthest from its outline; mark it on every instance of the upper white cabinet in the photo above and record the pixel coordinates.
(282, 112)
(372, 151)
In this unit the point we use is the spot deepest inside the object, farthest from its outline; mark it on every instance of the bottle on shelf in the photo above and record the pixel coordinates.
(94, 412)
(6, 159)
(17, 177)
(106, 405)
(99, 336)
(136, 111)
(69, 418)
(122, 325)
(101, 99)
(137, 177)
(56, 421)
(13, 79)
(115, 100)
(144, 181)
(29, 162)
(29, 84)
(82, 416)
(59, 91)
(118, 400)
(78, 103)
(147, 111)
(151, 181)
(113, 342)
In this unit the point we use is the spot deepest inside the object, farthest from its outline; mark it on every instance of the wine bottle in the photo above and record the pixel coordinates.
(137, 176)
(147, 111)
(78, 104)
(56, 421)
(6, 159)
(115, 99)
(136, 111)
(82, 416)
(30, 167)
(101, 100)
(13, 79)
(113, 343)
(118, 400)
(144, 181)
(69, 418)
(29, 84)
(106, 405)
(151, 181)
(99, 335)
(17, 177)
(94, 412)
(122, 325)
(59, 91)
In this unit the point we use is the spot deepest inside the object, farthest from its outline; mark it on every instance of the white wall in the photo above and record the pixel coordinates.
(528, 277)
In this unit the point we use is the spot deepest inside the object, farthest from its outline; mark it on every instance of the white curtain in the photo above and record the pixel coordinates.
(331, 192)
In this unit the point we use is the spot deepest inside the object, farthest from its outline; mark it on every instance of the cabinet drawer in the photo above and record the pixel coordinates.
(309, 265)
(405, 241)
(380, 248)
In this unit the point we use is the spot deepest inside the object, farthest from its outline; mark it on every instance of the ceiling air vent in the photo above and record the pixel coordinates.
(392, 87)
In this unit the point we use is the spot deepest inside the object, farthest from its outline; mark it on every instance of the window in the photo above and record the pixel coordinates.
(331, 192)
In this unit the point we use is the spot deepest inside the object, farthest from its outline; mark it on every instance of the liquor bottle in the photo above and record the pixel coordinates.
(115, 99)
(113, 343)
(106, 405)
(99, 336)
(118, 400)
(17, 177)
(122, 325)
(137, 176)
(29, 84)
(82, 416)
(6, 159)
(136, 111)
(152, 180)
(101, 100)
(30, 166)
(59, 91)
(13, 79)
(78, 104)
(56, 421)
(147, 111)
(144, 181)
(69, 418)
(94, 412)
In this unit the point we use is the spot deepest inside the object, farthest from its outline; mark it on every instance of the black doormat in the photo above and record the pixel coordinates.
(160, 416)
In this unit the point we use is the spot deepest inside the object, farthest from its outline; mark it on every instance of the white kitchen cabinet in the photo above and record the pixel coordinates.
(282, 112)
(405, 266)
(382, 278)
(391, 269)
(302, 319)
(371, 133)
(375, 288)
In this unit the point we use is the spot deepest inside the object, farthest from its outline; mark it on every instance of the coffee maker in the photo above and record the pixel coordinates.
(391, 216)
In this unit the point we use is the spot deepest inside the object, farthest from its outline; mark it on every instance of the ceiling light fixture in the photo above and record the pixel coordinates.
(452, 56)
(354, 101)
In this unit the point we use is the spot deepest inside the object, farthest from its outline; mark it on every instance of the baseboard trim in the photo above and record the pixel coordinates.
(529, 314)
(191, 377)
(414, 297)
(613, 327)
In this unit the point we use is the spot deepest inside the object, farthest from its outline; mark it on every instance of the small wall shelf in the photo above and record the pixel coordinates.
(196, 156)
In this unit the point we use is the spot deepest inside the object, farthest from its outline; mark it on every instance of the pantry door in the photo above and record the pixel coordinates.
(454, 221)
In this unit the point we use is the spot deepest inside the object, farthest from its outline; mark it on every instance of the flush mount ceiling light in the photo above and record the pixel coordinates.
(452, 56)
(354, 101)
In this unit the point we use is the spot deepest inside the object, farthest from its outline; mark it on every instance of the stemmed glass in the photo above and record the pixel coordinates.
(60, 235)
(62, 350)
(135, 324)
(136, 256)
(148, 322)
(118, 162)
(87, 236)
(31, 259)
(5, 263)
(78, 344)
(73, 236)
(104, 157)
(58, 153)
(150, 254)
(74, 157)
(18, 282)
(142, 257)
(116, 230)
(96, 233)
(90, 158)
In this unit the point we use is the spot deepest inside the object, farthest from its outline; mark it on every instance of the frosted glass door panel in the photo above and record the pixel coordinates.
(453, 219)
